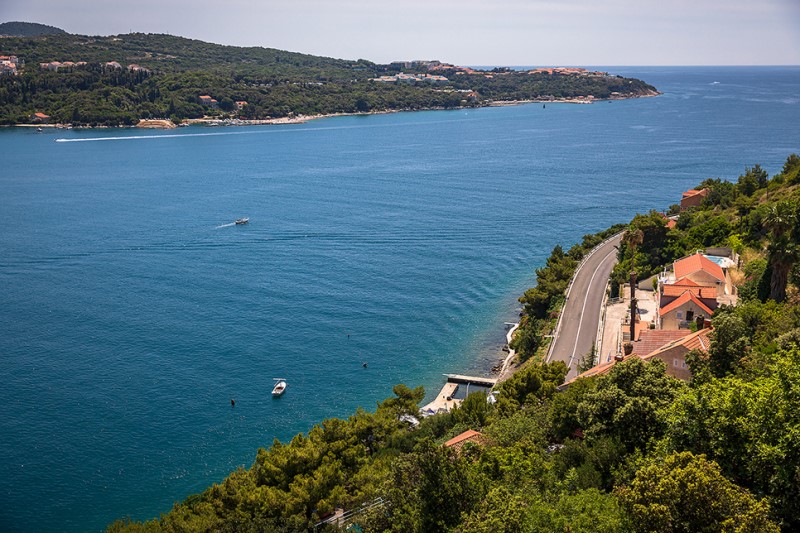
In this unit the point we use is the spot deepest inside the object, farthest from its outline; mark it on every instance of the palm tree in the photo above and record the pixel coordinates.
(632, 239)
(782, 252)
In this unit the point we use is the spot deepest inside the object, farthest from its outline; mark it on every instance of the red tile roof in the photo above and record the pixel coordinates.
(684, 298)
(694, 192)
(468, 436)
(653, 339)
(701, 292)
(699, 340)
(695, 263)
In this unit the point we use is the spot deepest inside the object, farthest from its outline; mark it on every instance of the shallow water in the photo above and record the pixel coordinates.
(134, 310)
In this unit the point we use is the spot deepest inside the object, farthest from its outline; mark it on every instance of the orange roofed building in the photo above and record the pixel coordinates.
(683, 311)
(704, 272)
(682, 302)
(693, 198)
(40, 118)
(673, 353)
(458, 442)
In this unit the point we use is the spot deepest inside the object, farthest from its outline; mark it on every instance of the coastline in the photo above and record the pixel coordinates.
(302, 119)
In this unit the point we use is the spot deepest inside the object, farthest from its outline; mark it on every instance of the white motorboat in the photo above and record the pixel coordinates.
(240, 221)
(280, 386)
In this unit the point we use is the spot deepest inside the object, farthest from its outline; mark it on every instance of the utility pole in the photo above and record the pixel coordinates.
(633, 305)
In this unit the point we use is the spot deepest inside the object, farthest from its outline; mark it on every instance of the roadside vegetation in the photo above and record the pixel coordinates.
(633, 450)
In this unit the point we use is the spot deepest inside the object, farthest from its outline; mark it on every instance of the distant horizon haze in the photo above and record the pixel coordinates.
(468, 32)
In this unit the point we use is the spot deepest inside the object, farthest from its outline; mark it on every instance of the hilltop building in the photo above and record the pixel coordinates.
(413, 79)
(207, 101)
(693, 198)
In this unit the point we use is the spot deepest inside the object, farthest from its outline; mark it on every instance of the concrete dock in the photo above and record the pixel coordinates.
(444, 401)
(474, 380)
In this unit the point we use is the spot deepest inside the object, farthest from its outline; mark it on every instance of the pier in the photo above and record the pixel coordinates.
(445, 401)
(473, 380)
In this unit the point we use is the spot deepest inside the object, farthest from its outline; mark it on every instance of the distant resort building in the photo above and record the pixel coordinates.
(112, 65)
(413, 79)
(136, 68)
(40, 118)
(52, 66)
(568, 71)
(207, 101)
(417, 63)
(8, 65)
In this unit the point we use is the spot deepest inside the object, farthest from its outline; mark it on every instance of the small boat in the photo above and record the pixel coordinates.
(280, 387)
(240, 221)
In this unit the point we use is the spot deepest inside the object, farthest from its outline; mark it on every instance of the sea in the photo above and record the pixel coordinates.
(133, 310)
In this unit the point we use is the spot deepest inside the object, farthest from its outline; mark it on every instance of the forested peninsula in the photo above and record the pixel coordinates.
(632, 449)
(120, 80)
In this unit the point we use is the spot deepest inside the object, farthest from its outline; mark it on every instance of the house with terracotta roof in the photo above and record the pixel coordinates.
(681, 312)
(693, 198)
(113, 64)
(240, 104)
(207, 101)
(680, 303)
(459, 441)
(40, 118)
(650, 340)
(8, 68)
(673, 353)
(704, 272)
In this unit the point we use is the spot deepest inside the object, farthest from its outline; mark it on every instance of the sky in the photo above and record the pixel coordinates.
(465, 32)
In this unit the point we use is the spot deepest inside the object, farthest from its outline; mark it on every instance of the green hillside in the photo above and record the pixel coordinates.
(27, 29)
(633, 450)
(175, 71)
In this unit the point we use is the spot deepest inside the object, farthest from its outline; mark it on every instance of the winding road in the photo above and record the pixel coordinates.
(577, 328)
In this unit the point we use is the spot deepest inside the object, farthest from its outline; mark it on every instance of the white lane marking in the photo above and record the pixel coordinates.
(585, 299)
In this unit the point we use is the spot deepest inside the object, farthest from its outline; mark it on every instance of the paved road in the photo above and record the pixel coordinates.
(581, 315)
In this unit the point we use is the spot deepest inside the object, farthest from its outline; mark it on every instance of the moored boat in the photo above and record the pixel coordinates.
(280, 386)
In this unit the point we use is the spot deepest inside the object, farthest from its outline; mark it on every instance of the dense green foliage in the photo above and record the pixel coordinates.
(632, 450)
(274, 83)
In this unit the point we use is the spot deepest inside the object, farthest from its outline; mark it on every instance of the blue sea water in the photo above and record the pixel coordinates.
(132, 311)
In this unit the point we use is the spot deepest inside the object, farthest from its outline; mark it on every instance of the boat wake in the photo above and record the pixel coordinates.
(250, 132)
(226, 225)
